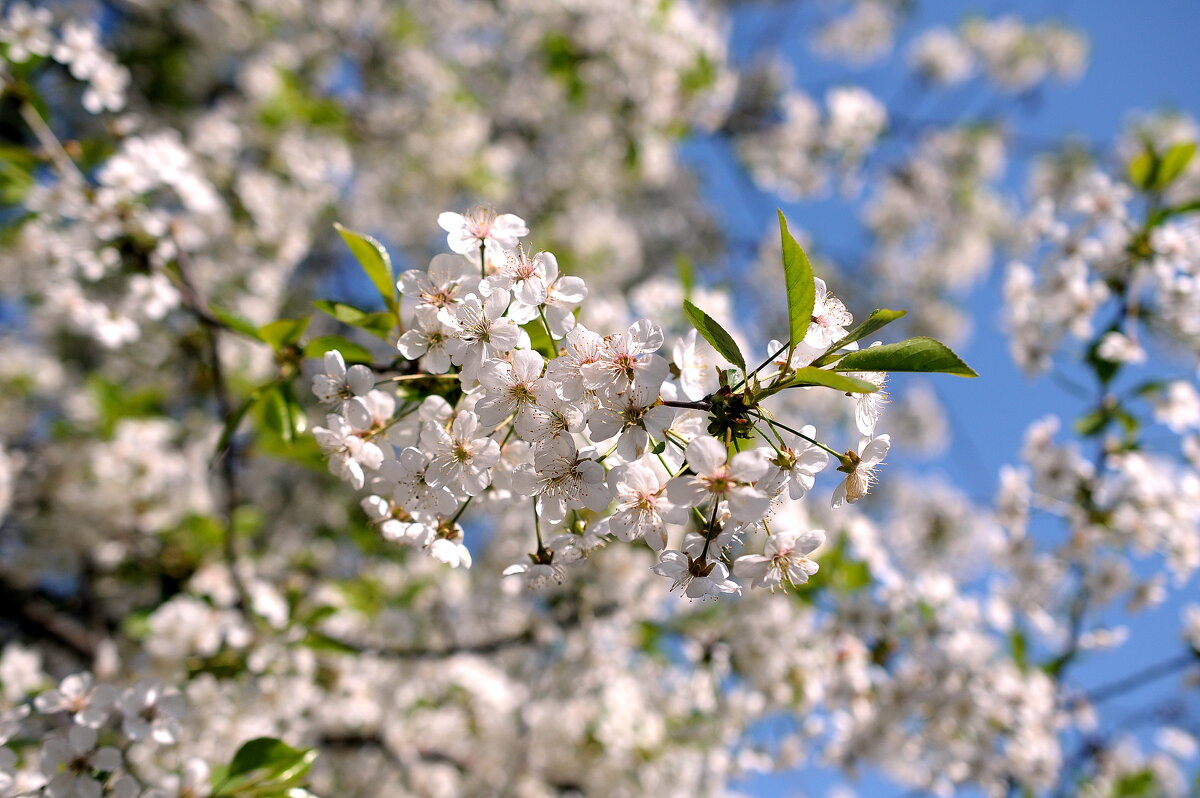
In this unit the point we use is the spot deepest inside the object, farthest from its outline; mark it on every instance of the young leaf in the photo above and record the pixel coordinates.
(375, 262)
(265, 763)
(235, 322)
(814, 376)
(1142, 168)
(1174, 161)
(380, 324)
(283, 332)
(351, 352)
(798, 277)
(879, 318)
(715, 334)
(914, 354)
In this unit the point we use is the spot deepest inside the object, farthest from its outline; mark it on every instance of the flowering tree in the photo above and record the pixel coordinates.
(523, 503)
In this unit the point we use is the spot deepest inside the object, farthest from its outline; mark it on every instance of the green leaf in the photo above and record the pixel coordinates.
(284, 332)
(715, 334)
(1173, 163)
(915, 354)
(280, 413)
(235, 322)
(801, 290)
(879, 318)
(375, 262)
(351, 352)
(265, 766)
(318, 641)
(809, 375)
(687, 277)
(380, 324)
(1141, 170)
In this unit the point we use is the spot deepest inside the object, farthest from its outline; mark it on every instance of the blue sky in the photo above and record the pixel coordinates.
(1144, 56)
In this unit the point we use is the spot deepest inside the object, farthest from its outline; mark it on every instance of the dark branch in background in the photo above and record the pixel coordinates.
(227, 461)
(40, 618)
(1141, 678)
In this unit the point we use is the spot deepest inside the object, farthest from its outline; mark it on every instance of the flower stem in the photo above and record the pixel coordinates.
(800, 434)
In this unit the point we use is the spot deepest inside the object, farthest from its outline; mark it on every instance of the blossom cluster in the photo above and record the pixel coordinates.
(605, 434)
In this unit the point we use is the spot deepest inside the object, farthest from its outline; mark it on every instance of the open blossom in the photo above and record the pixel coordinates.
(583, 349)
(549, 416)
(860, 475)
(642, 508)
(795, 465)
(698, 364)
(449, 548)
(78, 694)
(562, 297)
(427, 340)
(338, 383)
(348, 453)
(459, 459)
(153, 711)
(511, 388)
(448, 279)
(718, 480)
(71, 765)
(627, 359)
(697, 578)
(829, 319)
(410, 489)
(527, 278)
(563, 478)
(636, 416)
(481, 227)
(481, 331)
(785, 557)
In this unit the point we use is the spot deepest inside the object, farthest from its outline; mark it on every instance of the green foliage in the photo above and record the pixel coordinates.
(1173, 163)
(715, 334)
(879, 318)
(264, 768)
(563, 62)
(1150, 171)
(351, 352)
(283, 333)
(539, 337)
(801, 290)
(16, 173)
(296, 104)
(375, 261)
(235, 322)
(116, 402)
(914, 354)
(380, 324)
(280, 413)
(1139, 784)
(814, 376)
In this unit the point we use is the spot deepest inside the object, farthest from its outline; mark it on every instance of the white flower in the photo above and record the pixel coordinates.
(563, 478)
(1116, 347)
(642, 511)
(448, 279)
(868, 407)
(698, 364)
(718, 480)
(562, 297)
(427, 340)
(550, 416)
(784, 557)
(627, 359)
(829, 319)
(26, 30)
(795, 465)
(152, 711)
(449, 548)
(348, 453)
(637, 416)
(71, 765)
(697, 578)
(79, 695)
(459, 460)
(338, 383)
(860, 474)
(583, 348)
(410, 490)
(511, 387)
(481, 227)
(480, 331)
(537, 575)
(527, 278)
